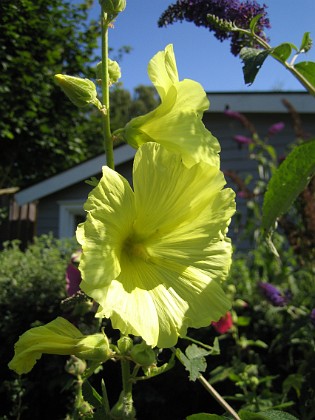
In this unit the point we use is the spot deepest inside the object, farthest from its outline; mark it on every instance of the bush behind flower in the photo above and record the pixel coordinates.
(32, 284)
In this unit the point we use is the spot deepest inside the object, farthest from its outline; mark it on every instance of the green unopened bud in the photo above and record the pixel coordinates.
(81, 92)
(114, 73)
(143, 355)
(75, 366)
(93, 347)
(124, 344)
(113, 7)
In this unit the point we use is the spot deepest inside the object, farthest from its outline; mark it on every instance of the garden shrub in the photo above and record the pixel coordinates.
(32, 285)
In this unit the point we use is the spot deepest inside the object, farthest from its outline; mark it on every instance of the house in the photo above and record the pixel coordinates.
(60, 198)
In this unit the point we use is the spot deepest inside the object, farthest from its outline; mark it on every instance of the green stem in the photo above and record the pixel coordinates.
(107, 136)
(128, 409)
(218, 397)
(308, 86)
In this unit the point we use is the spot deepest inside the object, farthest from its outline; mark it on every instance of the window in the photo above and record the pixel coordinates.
(71, 213)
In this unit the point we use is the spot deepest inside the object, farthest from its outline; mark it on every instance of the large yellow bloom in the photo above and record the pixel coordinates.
(57, 337)
(177, 122)
(153, 258)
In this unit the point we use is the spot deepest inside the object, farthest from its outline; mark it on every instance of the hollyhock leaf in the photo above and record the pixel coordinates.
(252, 59)
(288, 181)
(193, 360)
(169, 249)
(177, 122)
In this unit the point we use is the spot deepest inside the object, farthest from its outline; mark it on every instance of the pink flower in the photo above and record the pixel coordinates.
(233, 114)
(276, 128)
(73, 275)
(242, 139)
(224, 324)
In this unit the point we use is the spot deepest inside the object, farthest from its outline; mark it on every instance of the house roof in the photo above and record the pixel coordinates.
(261, 102)
(258, 102)
(72, 176)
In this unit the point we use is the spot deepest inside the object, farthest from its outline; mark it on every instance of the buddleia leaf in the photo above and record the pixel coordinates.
(205, 416)
(288, 182)
(283, 51)
(306, 43)
(252, 59)
(307, 69)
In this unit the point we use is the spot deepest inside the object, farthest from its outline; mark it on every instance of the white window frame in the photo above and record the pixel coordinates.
(67, 212)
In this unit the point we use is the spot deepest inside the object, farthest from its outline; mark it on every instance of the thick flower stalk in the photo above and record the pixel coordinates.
(177, 122)
(153, 258)
(57, 337)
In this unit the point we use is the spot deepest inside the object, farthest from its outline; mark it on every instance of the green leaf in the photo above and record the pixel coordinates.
(307, 69)
(253, 22)
(306, 43)
(253, 59)
(205, 416)
(294, 381)
(266, 415)
(151, 371)
(283, 51)
(288, 182)
(193, 360)
(91, 395)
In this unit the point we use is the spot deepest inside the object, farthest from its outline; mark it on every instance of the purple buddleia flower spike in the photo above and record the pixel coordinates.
(236, 11)
(312, 317)
(276, 128)
(272, 294)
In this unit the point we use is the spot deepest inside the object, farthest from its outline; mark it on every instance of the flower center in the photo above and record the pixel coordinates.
(136, 249)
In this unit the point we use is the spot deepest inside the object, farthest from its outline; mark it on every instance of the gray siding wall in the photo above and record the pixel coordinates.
(233, 157)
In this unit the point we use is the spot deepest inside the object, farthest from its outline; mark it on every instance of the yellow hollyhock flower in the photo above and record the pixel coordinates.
(177, 122)
(57, 337)
(153, 258)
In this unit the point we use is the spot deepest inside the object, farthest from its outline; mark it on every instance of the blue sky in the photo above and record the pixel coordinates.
(199, 55)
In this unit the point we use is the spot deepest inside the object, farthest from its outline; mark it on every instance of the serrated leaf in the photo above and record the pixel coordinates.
(306, 43)
(193, 360)
(253, 59)
(283, 51)
(307, 69)
(266, 415)
(288, 182)
(205, 416)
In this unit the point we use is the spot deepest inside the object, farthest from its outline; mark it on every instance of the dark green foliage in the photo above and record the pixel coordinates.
(32, 285)
(40, 132)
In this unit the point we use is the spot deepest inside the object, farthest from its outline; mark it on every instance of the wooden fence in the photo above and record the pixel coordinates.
(16, 222)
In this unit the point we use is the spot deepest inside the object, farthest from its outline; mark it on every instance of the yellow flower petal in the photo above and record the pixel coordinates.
(177, 122)
(172, 250)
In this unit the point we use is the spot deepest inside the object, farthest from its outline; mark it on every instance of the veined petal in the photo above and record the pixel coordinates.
(177, 122)
(174, 252)
(57, 337)
(111, 213)
(162, 70)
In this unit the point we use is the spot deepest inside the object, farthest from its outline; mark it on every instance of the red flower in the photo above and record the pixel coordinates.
(224, 324)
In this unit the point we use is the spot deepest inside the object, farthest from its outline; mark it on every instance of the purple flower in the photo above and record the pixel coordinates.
(234, 114)
(235, 11)
(312, 317)
(242, 139)
(272, 294)
(242, 194)
(276, 128)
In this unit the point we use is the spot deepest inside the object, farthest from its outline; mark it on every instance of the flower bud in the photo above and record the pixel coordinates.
(142, 354)
(125, 344)
(75, 366)
(93, 347)
(114, 73)
(113, 7)
(81, 92)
